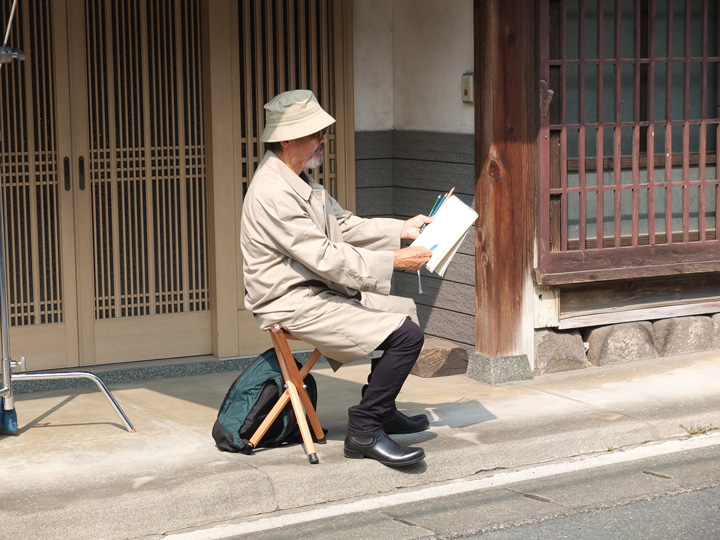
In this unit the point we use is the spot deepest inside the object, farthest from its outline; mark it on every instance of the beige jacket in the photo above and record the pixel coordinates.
(316, 268)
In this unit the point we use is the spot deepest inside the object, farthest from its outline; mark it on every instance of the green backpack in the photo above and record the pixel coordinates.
(249, 400)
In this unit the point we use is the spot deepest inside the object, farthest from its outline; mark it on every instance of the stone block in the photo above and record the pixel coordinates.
(498, 370)
(682, 335)
(440, 358)
(716, 327)
(559, 351)
(620, 343)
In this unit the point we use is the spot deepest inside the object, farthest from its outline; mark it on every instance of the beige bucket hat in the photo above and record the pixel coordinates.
(292, 115)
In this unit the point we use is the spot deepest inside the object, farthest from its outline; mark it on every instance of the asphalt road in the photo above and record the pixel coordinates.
(665, 491)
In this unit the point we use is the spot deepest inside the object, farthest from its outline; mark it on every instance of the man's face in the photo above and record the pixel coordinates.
(309, 150)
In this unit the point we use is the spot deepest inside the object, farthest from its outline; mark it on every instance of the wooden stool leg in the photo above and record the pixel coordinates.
(295, 386)
(302, 423)
(309, 409)
(269, 419)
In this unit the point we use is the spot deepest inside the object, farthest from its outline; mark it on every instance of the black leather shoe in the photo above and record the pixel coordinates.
(401, 423)
(383, 449)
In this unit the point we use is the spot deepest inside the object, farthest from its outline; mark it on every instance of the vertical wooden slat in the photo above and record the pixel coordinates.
(617, 138)
(257, 80)
(139, 148)
(199, 170)
(164, 151)
(173, 188)
(247, 103)
(166, 144)
(201, 231)
(324, 85)
(686, 127)
(123, 63)
(702, 143)
(668, 126)
(140, 158)
(147, 240)
(35, 255)
(581, 130)
(54, 295)
(112, 199)
(651, 125)
(563, 135)
(39, 254)
(268, 58)
(103, 160)
(182, 144)
(636, 127)
(29, 218)
(302, 43)
(313, 47)
(19, 127)
(133, 260)
(291, 33)
(94, 158)
(280, 44)
(249, 129)
(599, 140)
(158, 157)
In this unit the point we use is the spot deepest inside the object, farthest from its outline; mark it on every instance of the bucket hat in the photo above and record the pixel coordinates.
(292, 115)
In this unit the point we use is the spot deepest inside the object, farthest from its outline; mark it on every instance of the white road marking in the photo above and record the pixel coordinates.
(502, 479)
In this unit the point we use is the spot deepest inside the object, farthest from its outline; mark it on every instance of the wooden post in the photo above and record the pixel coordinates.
(222, 238)
(505, 183)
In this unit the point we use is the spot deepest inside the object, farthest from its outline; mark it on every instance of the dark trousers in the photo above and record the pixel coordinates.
(387, 375)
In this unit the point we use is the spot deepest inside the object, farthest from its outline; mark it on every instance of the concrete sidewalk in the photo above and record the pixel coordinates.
(73, 471)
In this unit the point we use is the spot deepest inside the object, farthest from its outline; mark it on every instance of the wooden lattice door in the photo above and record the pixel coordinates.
(115, 214)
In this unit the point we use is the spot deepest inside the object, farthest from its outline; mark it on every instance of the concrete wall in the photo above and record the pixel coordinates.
(414, 136)
(409, 57)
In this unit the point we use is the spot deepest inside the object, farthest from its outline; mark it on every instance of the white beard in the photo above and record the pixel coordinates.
(315, 161)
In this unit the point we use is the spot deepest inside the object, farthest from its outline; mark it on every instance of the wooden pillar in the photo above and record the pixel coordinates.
(222, 236)
(505, 177)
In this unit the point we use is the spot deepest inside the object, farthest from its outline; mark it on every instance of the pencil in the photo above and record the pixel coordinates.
(432, 211)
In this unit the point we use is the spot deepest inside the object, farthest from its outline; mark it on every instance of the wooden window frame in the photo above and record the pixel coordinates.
(638, 253)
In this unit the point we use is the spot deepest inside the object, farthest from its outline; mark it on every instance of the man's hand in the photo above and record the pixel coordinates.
(411, 228)
(412, 258)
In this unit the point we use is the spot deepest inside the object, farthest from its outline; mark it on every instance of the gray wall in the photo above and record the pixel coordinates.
(400, 174)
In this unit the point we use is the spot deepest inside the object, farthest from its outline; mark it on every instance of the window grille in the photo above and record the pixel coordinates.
(628, 179)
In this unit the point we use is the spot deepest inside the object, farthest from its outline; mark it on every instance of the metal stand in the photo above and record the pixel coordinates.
(79, 375)
(8, 416)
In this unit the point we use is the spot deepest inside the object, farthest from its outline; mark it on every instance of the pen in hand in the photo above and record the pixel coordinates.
(438, 203)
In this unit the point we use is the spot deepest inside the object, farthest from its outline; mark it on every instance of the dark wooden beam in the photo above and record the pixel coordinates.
(505, 172)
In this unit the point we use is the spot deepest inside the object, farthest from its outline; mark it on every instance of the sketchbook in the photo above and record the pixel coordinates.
(446, 232)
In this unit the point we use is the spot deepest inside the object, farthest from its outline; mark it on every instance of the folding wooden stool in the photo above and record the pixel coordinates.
(295, 392)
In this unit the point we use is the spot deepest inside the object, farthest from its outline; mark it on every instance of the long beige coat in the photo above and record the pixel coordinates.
(317, 269)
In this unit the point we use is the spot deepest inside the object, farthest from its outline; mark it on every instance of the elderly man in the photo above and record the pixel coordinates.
(324, 274)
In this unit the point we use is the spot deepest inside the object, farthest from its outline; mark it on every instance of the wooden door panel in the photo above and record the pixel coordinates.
(103, 165)
(38, 207)
(144, 248)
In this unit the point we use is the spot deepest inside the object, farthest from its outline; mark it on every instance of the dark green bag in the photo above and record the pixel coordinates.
(249, 400)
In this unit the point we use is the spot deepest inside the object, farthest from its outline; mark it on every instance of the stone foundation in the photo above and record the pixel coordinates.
(619, 343)
(559, 351)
